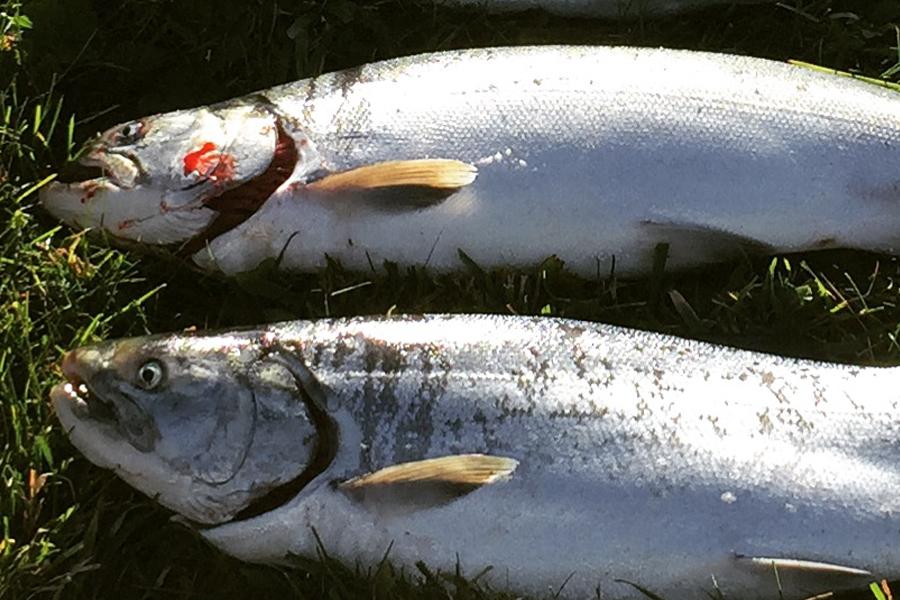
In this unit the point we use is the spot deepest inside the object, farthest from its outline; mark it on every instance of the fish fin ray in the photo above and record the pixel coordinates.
(463, 469)
(435, 173)
(800, 565)
(706, 237)
(427, 483)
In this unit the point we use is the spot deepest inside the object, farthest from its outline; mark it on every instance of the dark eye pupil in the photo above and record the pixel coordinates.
(147, 375)
(130, 132)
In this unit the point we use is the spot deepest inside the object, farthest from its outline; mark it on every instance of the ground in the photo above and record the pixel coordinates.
(69, 69)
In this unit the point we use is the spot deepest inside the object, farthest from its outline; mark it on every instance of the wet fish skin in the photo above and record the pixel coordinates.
(641, 457)
(586, 153)
(599, 8)
(160, 173)
(189, 448)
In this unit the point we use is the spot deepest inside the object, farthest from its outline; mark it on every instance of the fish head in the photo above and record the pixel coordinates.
(160, 175)
(203, 424)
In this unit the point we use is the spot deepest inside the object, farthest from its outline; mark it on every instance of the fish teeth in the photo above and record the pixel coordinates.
(76, 395)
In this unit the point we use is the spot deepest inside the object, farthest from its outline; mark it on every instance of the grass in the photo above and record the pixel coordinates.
(68, 69)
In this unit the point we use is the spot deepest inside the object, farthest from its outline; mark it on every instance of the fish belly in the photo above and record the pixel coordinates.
(543, 532)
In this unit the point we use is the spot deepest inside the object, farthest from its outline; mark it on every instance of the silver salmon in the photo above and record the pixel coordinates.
(559, 453)
(596, 155)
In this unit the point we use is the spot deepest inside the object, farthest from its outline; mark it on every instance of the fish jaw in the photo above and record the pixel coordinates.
(217, 430)
(141, 214)
(103, 445)
(123, 169)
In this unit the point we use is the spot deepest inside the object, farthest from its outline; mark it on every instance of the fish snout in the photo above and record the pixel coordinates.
(79, 364)
(94, 157)
(79, 368)
(70, 365)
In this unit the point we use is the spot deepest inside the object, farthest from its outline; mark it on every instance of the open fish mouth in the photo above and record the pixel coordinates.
(85, 178)
(84, 402)
(88, 176)
(102, 165)
(79, 172)
(112, 415)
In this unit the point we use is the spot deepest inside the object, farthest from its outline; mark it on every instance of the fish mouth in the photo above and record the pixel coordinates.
(122, 169)
(85, 402)
(115, 414)
(89, 422)
(102, 165)
(75, 173)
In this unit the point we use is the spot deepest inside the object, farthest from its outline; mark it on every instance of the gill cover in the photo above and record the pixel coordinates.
(204, 424)
(160, 172)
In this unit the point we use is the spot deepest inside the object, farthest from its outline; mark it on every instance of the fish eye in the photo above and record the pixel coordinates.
(150, 374)
(130, 132)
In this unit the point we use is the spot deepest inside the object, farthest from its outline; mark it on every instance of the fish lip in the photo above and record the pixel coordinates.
(76, 390)
(77, 172)
(99, 157)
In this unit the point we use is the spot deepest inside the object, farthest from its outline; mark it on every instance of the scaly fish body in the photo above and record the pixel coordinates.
(582, 152)
(553, 451)
(599, 8)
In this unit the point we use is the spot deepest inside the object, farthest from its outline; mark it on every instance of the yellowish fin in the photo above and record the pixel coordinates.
(807, 566)
(464, 470)
(435, 173)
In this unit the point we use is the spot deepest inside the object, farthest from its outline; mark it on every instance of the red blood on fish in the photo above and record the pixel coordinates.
(237, 205)
(192, 159)
(90, 189)
(209, 163)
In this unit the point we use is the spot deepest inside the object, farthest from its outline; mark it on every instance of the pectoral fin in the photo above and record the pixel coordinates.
(445, 174)
(399, 183)
(428, 483)
(702, 238)
(464, 469)
(803, 566)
